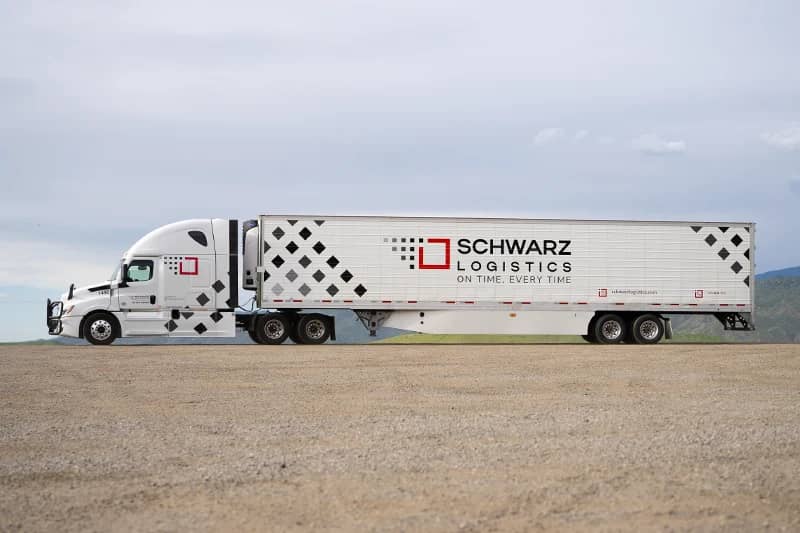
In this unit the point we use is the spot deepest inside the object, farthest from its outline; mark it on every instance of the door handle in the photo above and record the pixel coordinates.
(152, 299)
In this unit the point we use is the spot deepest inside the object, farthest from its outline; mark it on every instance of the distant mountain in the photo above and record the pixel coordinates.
(791, 272)
(776, 317)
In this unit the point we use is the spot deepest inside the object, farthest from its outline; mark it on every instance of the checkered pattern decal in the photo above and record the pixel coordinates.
(405, 248)
(197, 321)
(297, 261)
(731, 245)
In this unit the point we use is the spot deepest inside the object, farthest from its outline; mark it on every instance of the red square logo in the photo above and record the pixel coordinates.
(698, 294)
(602, 293)
(188, 266)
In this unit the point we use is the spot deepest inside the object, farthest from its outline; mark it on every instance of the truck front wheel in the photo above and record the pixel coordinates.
(610, 329)
(100, 328)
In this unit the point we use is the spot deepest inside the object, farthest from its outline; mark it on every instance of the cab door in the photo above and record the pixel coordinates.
(139, 303)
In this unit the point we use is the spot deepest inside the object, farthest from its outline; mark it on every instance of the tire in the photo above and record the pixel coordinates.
(589, 338)
(610, 329)
(313, 329)
(272, 328)
(647, 329)
(252, 335)
(100, 329)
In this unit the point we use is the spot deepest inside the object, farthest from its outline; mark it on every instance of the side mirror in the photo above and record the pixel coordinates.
(71, 291)
(123, 281)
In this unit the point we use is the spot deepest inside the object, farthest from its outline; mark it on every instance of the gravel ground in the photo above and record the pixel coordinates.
(471, 438)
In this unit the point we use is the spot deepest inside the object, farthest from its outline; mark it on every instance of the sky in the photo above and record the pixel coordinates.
(119, 117)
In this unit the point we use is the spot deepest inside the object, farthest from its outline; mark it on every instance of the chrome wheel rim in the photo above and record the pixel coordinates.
(315, 329)
(612, 330)
(274, 329)
(100, 330)
(649, 330)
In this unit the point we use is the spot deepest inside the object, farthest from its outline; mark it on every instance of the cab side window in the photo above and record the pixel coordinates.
(140, 270)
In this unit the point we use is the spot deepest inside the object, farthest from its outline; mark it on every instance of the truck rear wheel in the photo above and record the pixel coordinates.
(313, 329)
(610, 329)
(100, 329)
(272, 328)
(648, 329)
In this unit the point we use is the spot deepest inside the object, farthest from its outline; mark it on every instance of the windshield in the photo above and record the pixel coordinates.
(116, 271)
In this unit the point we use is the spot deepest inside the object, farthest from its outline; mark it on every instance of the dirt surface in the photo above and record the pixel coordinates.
(471, 438)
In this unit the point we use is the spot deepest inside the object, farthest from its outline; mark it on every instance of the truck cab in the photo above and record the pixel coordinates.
(180, 280)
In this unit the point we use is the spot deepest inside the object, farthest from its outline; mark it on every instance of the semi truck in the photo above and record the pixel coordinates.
(608, 281)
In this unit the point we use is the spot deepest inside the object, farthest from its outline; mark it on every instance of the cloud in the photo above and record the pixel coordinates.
(548, 135)
(785, 139)
(49, 265)
(652, 144)
(580, 135)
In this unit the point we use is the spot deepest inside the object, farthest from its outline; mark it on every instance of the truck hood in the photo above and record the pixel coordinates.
(88, 298)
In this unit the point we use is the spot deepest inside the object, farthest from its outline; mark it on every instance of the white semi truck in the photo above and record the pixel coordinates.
(609, 281)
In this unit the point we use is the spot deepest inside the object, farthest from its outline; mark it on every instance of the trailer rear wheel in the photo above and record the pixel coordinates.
(272, 328)
(648, 329)
(313, 329)
(610, 329)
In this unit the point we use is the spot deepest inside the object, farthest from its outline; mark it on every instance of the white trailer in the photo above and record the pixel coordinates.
(609, 281)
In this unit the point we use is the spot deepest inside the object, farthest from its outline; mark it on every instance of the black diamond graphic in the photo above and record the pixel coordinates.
(305, 233)
(747, 253)
(229, 303)
(216, 316)
(346, 276)
(203, 299)
(747, 229)
(711, 240)
(723, 253)
(266, 247)
(319, 247)
(736, 267)
(747, 281)
(304, 289)
(319, 222)
(360, 290)
(697, 228)
(278, 233)
(292, 247)
(332, 262)
(266, 275)
(277, 261)
(292, 222)
(736, 240)
(305, 261)
(171, 326)
(187, 314)
(332, 290)
(277, 289)
(291, 275)
(200, 328)
(218, 286)
(723, 229)
(318, 275)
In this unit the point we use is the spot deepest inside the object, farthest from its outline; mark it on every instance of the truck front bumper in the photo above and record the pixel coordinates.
(54, 310)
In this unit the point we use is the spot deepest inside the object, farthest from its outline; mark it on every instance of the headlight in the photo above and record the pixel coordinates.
(56, 309)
